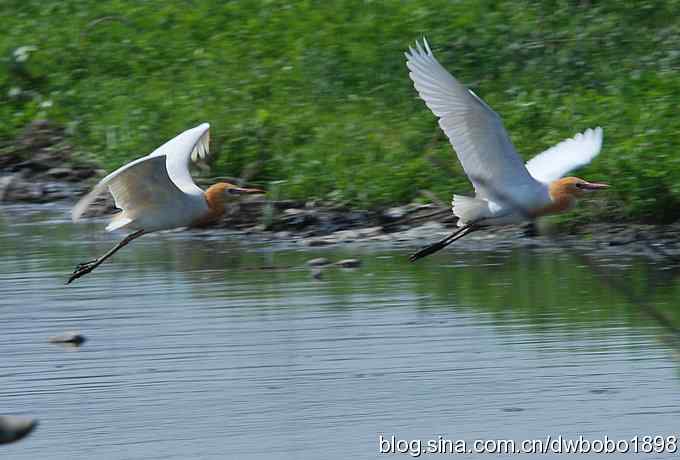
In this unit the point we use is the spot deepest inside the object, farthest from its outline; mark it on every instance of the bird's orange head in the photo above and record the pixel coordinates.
(573, 187)
(563, 193)
(218, 195)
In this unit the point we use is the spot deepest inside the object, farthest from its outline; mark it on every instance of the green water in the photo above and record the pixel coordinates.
(204, 345)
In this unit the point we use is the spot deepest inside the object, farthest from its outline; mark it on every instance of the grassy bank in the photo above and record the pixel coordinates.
(316, 94)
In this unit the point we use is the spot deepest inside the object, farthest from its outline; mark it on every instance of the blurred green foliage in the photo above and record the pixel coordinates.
(316, 93)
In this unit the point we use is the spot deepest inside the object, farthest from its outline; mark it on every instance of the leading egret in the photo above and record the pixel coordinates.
(506, 190)
(156, 192)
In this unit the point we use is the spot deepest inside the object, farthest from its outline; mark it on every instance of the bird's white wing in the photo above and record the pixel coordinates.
(565, 156)
(474, 129)
(135, 186)
(160, 177)
(192, 144)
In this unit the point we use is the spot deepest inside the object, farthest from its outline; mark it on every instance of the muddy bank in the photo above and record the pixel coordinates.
(658, 244)
(39, 167)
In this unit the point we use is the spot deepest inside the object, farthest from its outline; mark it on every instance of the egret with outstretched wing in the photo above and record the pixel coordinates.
(156, 192)
(506, 190)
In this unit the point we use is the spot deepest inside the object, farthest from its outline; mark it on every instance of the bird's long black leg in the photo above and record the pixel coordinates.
(431, 249)
(82, 264)
(86, 267)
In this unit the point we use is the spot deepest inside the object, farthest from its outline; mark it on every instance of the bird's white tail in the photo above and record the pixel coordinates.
(468, 209)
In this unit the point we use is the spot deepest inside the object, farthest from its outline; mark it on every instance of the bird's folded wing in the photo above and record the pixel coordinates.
(565, 156)
(474, 129)
(134, 186)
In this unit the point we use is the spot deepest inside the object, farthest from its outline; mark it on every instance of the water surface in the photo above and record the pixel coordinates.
(201, 347)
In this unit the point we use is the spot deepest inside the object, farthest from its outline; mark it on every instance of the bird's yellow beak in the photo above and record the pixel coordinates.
(246, 191)
(592, 186)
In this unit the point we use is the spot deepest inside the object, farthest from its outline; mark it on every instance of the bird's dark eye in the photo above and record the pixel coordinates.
(232, 191)
(578, 185)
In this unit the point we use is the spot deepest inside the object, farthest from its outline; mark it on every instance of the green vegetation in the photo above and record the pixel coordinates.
(316, 93)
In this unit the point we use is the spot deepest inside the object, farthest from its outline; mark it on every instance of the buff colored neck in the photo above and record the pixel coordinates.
(562, 199)
(214, 196)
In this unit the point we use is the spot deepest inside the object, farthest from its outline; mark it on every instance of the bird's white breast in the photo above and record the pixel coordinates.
(181, 213)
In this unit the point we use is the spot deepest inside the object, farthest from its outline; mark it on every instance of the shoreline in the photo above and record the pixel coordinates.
(657, 244)
(40, 170)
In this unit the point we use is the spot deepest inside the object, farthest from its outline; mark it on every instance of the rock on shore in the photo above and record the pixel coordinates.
(41, 166)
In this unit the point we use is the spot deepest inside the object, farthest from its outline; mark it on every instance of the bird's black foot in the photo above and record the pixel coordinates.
(426, 251)
(83, 269)
(85, 264)
(431, 249)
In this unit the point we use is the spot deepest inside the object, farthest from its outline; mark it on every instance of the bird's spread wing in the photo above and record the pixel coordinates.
(475, 131)
(565, 156)
(160, 177)
(135, 186)
(192, 144)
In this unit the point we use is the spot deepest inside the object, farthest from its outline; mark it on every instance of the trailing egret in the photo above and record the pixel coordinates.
(506, 190)
(156, 192)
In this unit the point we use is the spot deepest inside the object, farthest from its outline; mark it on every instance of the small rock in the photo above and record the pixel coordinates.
(395, 213)
(358, 218)
(5, 183)
(512, 409)
(601, 391)
(348, 263)
(83, 173)
(59, 173)
(318, 262)
(346, 235)
(73, 338)
(294, 212)
(314, 242)
(381, 238)
(317, 273)
(13, 428)
(622, 241)
(298, 218)
(370, 232)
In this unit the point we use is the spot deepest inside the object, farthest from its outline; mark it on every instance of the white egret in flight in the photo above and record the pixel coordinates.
(507, 191)
(156, 192)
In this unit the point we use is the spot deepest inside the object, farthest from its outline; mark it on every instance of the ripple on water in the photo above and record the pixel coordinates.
(193, 351)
